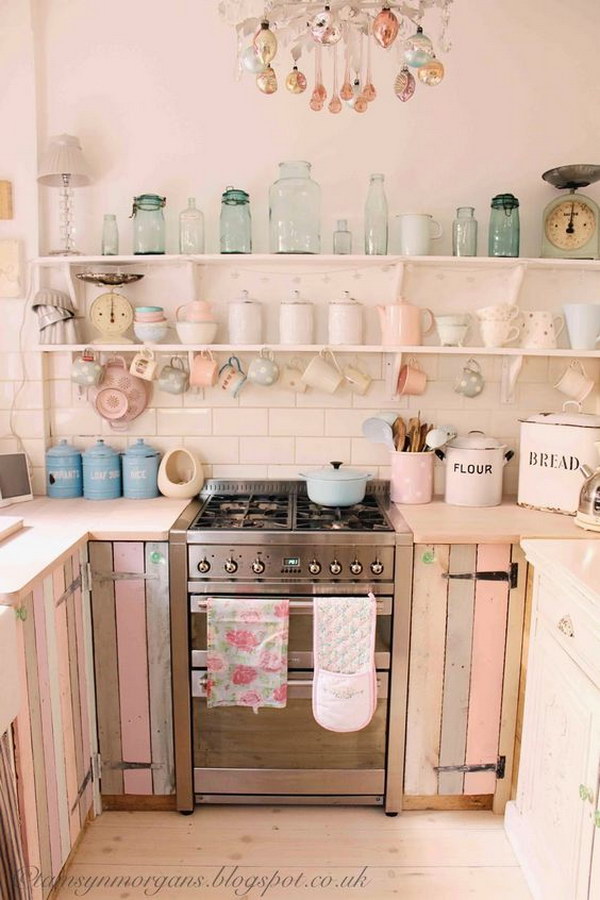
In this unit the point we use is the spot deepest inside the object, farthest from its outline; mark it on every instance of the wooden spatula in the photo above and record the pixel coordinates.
(399, 432)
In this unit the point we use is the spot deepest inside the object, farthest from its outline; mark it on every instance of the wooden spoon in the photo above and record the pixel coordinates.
(422, 436)
(399, 432)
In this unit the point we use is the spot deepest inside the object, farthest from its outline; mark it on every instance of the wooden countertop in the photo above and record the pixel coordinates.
(54, 528)
(438, 523)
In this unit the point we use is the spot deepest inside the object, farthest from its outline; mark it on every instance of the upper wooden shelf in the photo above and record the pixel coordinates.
(315, 261)
(315, 348)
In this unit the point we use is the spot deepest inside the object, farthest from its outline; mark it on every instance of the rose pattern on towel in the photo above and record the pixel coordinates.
(247, 652)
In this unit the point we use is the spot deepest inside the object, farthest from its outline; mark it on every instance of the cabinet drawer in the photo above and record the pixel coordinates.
(574, 625)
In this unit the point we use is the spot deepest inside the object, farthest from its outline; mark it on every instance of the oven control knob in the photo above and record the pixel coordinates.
(204, 566)
(356, 567)
(335, 567)
(314, 567)
(230, 566)
(258, 567)
(377, 567)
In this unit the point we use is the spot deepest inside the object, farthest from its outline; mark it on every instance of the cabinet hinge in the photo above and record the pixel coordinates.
(86, 577)
(96, 766)
(499, 767)
(511, 575)
(122, 576)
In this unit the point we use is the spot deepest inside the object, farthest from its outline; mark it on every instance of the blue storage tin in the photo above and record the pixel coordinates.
(140, 471)
(101, 472)
(64, 477)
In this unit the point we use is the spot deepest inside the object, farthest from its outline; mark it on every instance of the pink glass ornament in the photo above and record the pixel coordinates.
(315, 104)
(296, 82)
(360, 105)
(335, 104)
(346, 92)
(385, 27)
(267, 81)
(404, 85)
(319, 92)
(265, 44)
(431, 73)
(251, 62)
(325, 28)
(369, 92)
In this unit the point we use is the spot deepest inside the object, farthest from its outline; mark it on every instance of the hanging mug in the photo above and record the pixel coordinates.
(470, 382)
(143, 364)
(204, 371)
(290, 378)
(322, 374)
(231, 376)
(86, 370)
(173, 378)
(575, 382)
(263, 369)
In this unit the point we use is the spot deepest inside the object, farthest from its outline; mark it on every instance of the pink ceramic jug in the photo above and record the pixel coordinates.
(402, 324)
(195, 311)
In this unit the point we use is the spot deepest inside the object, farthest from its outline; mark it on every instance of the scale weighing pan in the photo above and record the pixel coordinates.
(572, 177)
(110, 278)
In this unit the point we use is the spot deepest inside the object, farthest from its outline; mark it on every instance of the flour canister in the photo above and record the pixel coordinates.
(101, 472)
(345, 321)
(554, 446)
(296, 321)
(474, 469)
(64, 477)
(140, 471)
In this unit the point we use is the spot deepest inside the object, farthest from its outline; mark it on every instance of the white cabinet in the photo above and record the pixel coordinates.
(553, 824)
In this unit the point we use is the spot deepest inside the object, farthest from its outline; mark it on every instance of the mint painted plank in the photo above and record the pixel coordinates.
(65, 688)
(132, 655)
(24, 759)
(457, 670)
(489, 638)
(428, 637)
(106, 668)
(159, 666)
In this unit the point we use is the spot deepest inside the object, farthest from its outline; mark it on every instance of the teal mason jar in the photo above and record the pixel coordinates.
(503, 235)
(148, 224)
(236, 222)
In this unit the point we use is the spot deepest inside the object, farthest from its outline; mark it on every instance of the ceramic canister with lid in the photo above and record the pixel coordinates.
(64, 471)
(296, 320)
(345, 320)
(140, 471)
(554, 446)
(245, 320)
(474, 469)
(101, 472)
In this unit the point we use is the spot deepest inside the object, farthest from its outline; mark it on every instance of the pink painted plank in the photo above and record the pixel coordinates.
(25, 772)
(132, 656)
(64, 682)
(487, 666)
(39, 610)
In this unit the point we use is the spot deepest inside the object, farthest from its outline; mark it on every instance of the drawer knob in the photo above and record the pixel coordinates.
(566, 626)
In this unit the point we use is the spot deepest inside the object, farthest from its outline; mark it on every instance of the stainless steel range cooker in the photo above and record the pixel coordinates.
(248, 539)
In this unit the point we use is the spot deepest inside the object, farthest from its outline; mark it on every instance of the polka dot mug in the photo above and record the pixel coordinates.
(470, 382)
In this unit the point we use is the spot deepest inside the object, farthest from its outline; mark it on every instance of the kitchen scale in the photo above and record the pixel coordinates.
(110, 313)
(571, 223)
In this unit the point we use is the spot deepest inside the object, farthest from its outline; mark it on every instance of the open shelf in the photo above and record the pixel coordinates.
(315, 348)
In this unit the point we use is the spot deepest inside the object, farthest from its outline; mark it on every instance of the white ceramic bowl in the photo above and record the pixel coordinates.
(151, 332)
(196, 332)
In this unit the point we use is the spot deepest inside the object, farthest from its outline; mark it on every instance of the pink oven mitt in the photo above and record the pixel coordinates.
(344, 695)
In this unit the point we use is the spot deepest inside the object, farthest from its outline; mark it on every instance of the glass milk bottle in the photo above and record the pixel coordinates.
(191, 229)
(464, 232)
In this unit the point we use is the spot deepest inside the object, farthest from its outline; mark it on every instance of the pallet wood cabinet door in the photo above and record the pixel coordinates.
(130, 607)
(463, 672)
(55, 729)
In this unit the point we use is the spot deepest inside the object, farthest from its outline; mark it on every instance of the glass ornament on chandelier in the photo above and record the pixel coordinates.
(356, 28)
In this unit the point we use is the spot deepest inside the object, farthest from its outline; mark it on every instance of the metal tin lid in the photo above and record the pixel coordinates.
(476, 440)
(100, 450)
(140, 449)
(245, 298)
(346, 300)
(576, 419)
(296, 300)
(334, 472)
(61, 450)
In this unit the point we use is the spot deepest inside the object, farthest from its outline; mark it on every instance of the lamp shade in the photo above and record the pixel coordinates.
(63, 156)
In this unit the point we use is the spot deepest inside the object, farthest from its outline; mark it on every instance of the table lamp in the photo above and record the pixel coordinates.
(63, 165)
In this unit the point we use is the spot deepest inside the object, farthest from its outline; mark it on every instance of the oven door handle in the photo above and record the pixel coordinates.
(198, 604)
(200, 678)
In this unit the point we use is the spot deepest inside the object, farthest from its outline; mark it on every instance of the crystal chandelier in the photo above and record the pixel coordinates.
(348, 34)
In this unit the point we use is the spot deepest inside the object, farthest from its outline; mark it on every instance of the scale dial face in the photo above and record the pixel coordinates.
(571, 224)
(111, 314)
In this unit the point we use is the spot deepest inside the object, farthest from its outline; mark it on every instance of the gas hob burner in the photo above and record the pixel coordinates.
(364, 516)
(250, 511)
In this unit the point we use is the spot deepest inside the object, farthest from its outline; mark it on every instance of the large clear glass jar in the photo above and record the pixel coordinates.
(236, 222)
(503, 236)
(295, 210)
(464, 232)
(148, 224)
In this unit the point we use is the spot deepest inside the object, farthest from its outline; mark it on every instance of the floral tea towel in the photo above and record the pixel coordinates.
(247, 652)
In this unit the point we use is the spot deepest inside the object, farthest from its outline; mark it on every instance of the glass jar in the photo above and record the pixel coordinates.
(503, 237)
(236, 222)
(464, 232)
(342, 238)
(191, 229)
(376, 218)
(110, 236)
(295, 210)
(148, 224)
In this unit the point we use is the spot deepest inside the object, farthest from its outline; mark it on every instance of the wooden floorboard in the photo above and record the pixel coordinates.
(416, 856)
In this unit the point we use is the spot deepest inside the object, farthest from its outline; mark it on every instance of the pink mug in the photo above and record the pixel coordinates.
(411, 378)
(204, 371)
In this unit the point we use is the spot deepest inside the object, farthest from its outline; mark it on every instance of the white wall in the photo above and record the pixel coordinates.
(150, 91)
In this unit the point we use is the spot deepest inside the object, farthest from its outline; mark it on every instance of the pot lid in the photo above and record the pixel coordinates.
(476, 440)
(61, 450)
(581, 420)
(140, 449)
(100, 450)
(346, 300)
(334, 472)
